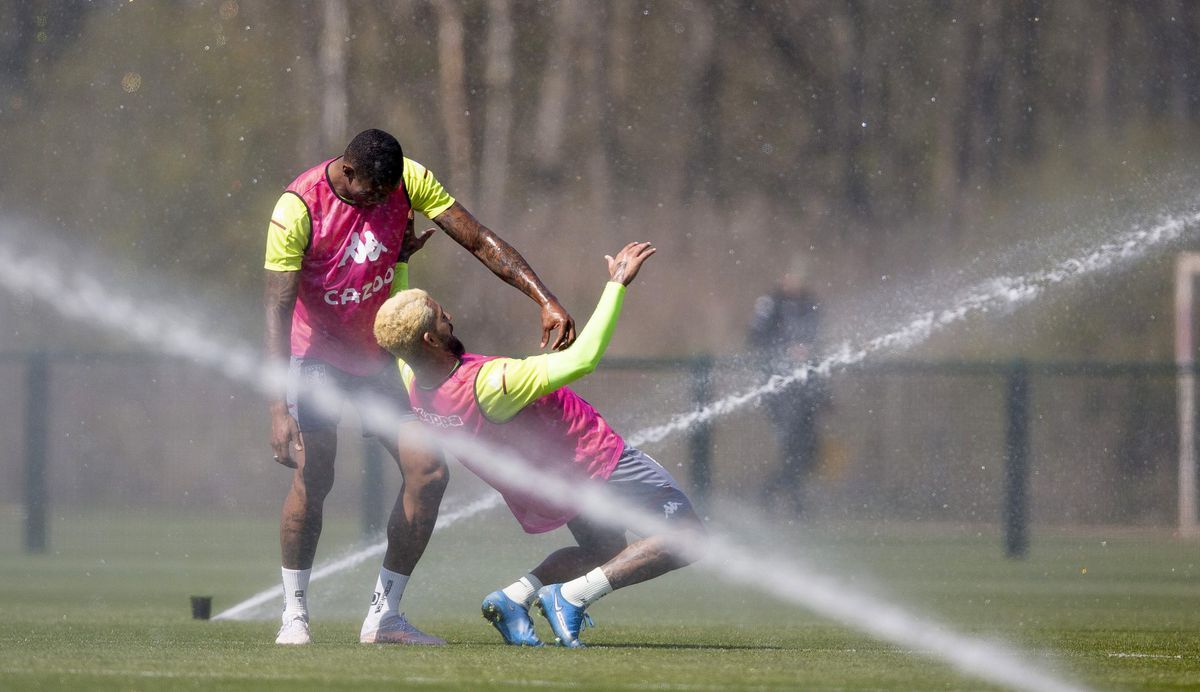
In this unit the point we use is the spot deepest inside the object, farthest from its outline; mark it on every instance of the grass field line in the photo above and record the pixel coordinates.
(271, 595)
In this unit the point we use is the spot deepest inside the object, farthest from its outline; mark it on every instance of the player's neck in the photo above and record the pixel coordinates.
(337, 179)
(435, 370)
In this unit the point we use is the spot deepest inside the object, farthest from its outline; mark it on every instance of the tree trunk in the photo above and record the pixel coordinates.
(497, 132)
(452, 93)
(703, 76)
(550, 125)
(849, 46)
(593, 111)
(1027, 79)
(335, 23)
(1099, 74)
(617, 68)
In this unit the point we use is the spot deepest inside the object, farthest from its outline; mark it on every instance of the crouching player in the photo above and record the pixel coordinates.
(524, 404)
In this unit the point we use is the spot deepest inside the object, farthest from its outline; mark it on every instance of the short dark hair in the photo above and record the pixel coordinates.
(377, 156)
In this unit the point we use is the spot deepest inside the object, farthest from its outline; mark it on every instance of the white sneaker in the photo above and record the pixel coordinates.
(395, 629)
(294, 631)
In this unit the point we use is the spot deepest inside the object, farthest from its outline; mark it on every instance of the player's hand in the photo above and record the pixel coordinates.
(285, 437)
(624, 267)
(555, 317)
(412, 243)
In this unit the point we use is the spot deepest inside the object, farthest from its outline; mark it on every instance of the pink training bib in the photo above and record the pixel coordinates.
(559, 434)
(347, 273)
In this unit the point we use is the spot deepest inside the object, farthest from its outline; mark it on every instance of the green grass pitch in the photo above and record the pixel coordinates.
(107, 608)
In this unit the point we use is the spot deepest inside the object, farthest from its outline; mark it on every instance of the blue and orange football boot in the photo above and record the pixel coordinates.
(565, 618)
(511, 620)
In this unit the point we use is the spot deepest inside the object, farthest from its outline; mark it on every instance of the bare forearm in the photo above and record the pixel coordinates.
(279, 299)
(501, 258)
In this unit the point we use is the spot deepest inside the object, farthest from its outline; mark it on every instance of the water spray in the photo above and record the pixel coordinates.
(86, 300)
(1000, 294)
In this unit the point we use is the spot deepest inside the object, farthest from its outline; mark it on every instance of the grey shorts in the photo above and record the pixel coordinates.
(317, 391)
(643, 483)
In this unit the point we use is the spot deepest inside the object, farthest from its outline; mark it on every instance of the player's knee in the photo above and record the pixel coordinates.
(426, 476)
(606, 550)
(311, 485)
(687, 545)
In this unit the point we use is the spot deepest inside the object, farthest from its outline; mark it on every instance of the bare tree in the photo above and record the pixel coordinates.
(550, 125)
(497, 131)
(592, 107)
(702, 74)
(335, 23)
(452, 91)
(617, 67)
(1099, 84)
(849, 44)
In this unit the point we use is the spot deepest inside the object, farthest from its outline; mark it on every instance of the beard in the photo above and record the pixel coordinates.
(456, 347)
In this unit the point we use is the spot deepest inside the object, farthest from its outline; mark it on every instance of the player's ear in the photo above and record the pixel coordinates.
(429, 339)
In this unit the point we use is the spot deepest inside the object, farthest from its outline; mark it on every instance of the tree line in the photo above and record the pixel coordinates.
(741, 132)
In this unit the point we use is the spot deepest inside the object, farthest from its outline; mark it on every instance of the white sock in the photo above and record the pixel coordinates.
(523, 590)
(389, 587)
(587, 589)
(295, 591)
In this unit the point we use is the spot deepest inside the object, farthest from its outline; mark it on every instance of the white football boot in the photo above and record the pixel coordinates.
(294, 631)
(396, 629)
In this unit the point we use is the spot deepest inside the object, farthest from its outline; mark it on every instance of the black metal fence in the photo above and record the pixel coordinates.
(991, 443)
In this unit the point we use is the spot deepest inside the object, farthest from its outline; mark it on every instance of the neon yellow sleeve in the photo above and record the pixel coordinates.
(504, 386)
(400, 282)
(424, 191)
(288, 234)
(584, 355)
(406, 373)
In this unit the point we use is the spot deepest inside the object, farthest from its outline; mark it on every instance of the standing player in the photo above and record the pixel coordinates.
(783, 334)
(337, 247)
(523, 403)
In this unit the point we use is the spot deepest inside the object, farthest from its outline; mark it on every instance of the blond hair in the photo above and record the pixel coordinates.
(402, 321)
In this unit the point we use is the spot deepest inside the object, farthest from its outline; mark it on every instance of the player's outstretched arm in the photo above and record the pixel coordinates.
(583, 357)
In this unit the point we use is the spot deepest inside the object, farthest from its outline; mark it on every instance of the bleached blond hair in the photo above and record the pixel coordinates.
(402, 321)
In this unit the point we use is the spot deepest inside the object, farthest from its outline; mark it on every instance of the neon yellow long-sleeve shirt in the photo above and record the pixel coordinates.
(504, 386)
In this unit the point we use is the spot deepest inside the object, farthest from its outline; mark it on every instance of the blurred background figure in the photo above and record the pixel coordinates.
(782, 337)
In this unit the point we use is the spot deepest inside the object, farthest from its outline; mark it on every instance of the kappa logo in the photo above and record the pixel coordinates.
(363, 248)
(438, 420)
(670, 507)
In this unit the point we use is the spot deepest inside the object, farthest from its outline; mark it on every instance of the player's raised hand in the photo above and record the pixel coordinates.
(624, 267)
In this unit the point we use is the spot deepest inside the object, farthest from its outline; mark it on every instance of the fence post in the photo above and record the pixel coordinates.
(1016, 467)
(37, 408)
(700, 435)
(372, 490)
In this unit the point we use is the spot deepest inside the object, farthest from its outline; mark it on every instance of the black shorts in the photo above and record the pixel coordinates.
(317, 391)
(643, 483)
